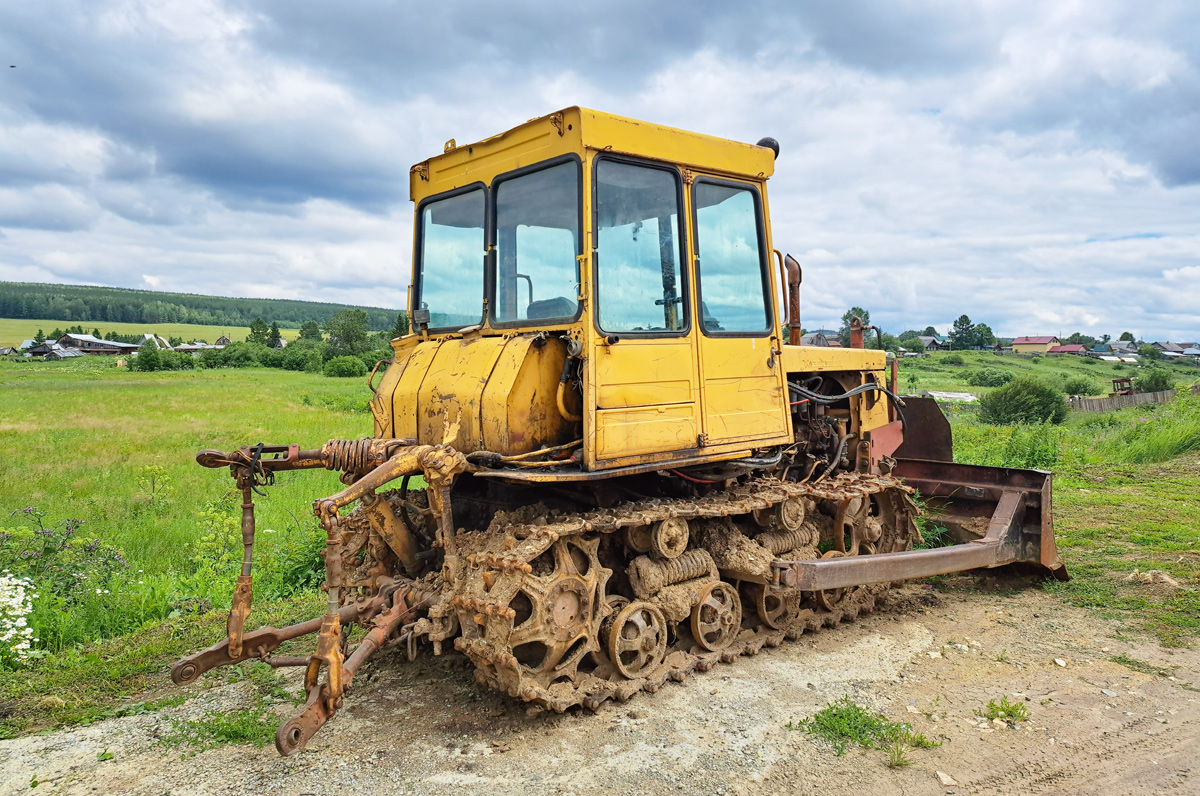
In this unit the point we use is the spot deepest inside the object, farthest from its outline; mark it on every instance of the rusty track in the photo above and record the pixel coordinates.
(496, 570)
(564, 609)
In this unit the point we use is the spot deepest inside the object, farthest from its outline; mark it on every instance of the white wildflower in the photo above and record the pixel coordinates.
(16, 603)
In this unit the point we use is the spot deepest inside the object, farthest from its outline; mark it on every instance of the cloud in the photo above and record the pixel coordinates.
(1030, 165)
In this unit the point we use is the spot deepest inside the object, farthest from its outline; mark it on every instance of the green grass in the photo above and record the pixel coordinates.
(14, 330)
(97, 681)
(1136, 665)
(844, 722)
(1003, 710)
(78, 440)
(932, 373)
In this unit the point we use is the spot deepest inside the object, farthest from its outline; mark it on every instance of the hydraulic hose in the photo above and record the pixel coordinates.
(837, 457)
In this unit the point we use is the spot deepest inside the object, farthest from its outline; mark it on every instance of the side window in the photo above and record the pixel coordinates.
(639, 287)
(451, 285)
(537, 241)
(733, 292)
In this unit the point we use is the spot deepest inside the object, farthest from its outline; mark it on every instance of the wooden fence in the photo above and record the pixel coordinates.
(1122, 401)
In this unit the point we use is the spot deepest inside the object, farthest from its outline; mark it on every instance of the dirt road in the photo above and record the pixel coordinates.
(927, 657)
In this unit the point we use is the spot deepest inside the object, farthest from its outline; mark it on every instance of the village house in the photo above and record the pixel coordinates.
(1034, 345)
(814, 338)
(87, 344)
(934, 343)
(1079, 350)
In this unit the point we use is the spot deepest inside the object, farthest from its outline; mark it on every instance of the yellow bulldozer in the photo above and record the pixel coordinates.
(602, 458)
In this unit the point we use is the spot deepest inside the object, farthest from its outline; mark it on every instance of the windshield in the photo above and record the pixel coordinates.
(537, 242)
(452, 249)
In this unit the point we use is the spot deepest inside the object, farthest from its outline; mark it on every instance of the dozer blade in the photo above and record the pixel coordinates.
(996, 516)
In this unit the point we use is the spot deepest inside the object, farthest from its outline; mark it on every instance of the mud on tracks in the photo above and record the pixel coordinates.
(924, 657)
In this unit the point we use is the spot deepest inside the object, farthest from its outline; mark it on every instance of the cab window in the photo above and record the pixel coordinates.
(537, 243)
(451, 253)
(729, 260)
(639, 285)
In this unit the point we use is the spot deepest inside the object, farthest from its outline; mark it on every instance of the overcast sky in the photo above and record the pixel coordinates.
(1035, 165)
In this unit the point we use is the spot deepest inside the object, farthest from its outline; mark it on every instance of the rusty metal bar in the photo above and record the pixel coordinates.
(1002, 545)
(260, 643)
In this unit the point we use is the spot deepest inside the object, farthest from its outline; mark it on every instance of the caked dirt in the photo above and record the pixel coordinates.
(928, 656)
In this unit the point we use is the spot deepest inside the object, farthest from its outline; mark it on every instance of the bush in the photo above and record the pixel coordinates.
(1080, 385)
(271, 358)
(1154, 380)
(1025, 400)
(372, 358)
(345, 367)
(1089, 361)
(298, 352)
(989, 377)
(148, 358)
(952, 359)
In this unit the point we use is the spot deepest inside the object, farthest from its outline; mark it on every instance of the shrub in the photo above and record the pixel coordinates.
(989, 377)
(952, 359)
(1089, 361)
(271, 358)
(1154, 380)
(148, 357)
(297, 354)
(345, 367)
(1080, 385)
(1025, 400)
(372, 358)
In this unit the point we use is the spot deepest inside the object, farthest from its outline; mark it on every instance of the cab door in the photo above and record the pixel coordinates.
(741, 382)
(644, 370)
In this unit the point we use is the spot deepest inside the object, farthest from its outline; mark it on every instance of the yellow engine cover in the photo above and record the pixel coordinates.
(476, 393)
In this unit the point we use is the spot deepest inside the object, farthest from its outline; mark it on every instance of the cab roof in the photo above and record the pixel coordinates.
(581, 132)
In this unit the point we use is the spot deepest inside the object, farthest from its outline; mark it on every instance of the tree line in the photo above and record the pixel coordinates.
(964, 333)
(93, 304)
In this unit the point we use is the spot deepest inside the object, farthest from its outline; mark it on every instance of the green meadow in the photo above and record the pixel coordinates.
(158, 545)
(936, 373)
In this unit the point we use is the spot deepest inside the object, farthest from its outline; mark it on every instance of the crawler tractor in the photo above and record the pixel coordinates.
(602, 459)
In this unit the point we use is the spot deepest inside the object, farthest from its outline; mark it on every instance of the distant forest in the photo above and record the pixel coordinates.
(91, 304)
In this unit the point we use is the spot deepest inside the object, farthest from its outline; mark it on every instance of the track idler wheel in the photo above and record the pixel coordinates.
(717, 617)
(637, 642)
(778, 609)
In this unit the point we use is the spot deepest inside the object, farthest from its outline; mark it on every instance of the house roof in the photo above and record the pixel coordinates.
(87, 338)
(1034, 340)
(1068, 349)
(814, 338)
(1166, 346)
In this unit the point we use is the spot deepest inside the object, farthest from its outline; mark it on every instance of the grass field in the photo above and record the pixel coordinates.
(83, 439)
(15, 330)
(933, 373)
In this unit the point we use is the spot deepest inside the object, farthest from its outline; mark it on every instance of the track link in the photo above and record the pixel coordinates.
(497, 569)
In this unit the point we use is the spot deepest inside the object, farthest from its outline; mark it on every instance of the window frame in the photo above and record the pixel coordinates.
(419, 250)
(681, 244)
(490, 235)
(763, 257)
